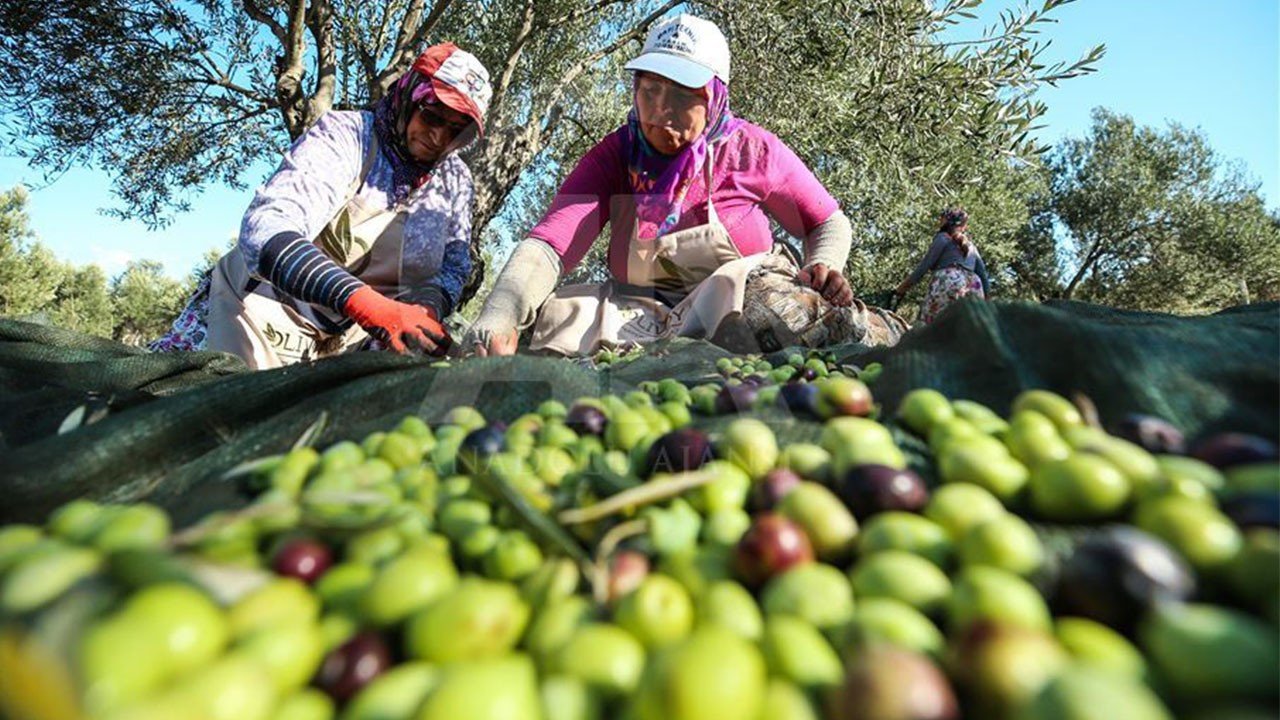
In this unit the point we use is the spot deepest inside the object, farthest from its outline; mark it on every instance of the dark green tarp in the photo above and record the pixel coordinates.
(167, 427)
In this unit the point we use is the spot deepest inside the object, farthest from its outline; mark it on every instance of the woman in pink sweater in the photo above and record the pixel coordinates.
(687, 190)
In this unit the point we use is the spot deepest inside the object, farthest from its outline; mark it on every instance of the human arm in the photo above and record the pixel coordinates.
(930, 258)
(826, 251)
(980, 269)
(443, 290)
(797, 200)
(525, 283)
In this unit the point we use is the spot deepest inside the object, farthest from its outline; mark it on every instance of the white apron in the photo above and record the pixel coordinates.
(700, 266)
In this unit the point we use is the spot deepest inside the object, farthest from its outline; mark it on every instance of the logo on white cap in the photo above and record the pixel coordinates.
(463, 71)
(686, 49)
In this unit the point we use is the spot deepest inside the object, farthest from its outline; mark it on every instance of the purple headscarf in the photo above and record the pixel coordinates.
(660, 182)
(391, 118)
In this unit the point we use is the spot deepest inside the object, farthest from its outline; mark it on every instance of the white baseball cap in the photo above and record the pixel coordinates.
(685, 49)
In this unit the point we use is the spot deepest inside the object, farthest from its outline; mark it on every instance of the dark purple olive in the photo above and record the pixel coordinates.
(736, 398)
(1230, 449)
(586, 420)
(352, 665)
(303, 558)
(1152, 433)
(1253, 509)
(1116, 575)
(772, 545)
(479, 445)
(871, 489)
(678, 451)
(800, 398)
(808, 374)
(766, 494)
(886, 682)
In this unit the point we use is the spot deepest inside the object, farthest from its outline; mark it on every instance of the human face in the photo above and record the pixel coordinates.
(671, 115)
(433, 129)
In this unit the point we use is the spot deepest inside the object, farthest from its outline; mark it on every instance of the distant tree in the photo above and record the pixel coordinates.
(29, 273)
(1154, 219)
(82, 302)
(144, 302)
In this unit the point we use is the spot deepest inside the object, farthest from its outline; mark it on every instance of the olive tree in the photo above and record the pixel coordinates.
(1154, 219)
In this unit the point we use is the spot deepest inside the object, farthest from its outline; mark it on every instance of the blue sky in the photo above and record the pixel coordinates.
(1212, 64)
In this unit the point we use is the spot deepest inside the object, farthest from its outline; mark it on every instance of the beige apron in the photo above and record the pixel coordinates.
(269, 329)
(700, 265)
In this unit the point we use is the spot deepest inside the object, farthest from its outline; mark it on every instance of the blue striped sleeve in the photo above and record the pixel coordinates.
(295, 266)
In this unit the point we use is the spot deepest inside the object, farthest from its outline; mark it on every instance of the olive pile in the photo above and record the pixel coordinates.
(612, 559)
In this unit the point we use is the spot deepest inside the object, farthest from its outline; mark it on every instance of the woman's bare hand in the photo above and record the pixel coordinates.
(830, 282)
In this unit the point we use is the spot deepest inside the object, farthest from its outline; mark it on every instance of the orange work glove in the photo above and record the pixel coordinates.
(402, 326)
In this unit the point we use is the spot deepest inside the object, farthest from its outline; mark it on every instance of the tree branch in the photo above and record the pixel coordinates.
(639, 30)
(320, 25)
(255, 12)
(405, 52)
(513, 60)
(577, 14)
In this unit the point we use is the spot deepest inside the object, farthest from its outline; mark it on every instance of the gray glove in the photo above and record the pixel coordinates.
(829, 242)
(528, 278)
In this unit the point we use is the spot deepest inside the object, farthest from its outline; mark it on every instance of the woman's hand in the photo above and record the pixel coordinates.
(828, 281)
(499, 343)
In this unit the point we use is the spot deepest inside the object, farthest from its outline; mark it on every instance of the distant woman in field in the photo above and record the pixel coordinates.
(957, 267)
(363, 232)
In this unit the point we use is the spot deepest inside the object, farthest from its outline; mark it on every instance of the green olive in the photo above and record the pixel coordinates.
(988, 465)
(922, 408)
(289, 653)
(885, 620)
(407, 584)
(960, 506)
(816, 593)
(809, 461)
(1201, 534)
(342, 586)
(309, 704)
(991, 594)
(606, 657)
(280, 601)
(1080, 487)
(133, 527)
(795, 650)
(898, 530)
(982, 417)
(554, 624)
(1096, 645)
(373, 547)
(396, 693)
(513, 557)
(1006, 542)
(725, 527)
(729, 605)
(901, 576)
(504, 687)
(658, 612)
(1034, 439)
(711, 674)
(1051, 405)
(477, 619)
(291, 474)
(751, 445)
